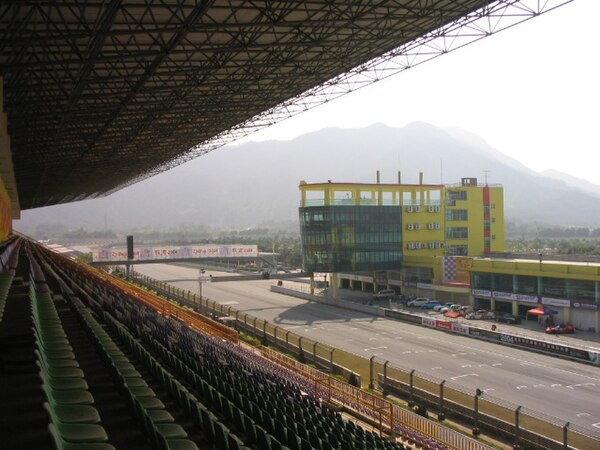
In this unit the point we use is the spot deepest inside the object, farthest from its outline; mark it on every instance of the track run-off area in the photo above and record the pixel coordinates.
(563, 389)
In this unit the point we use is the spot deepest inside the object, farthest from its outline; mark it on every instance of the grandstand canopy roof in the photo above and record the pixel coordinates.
(103, 93)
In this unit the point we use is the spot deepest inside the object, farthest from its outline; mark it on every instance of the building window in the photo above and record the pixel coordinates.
(503, 283)
(482, 281)
(457, 233)
(526, 285)
(456, 215)
(456, 195)
(582, 290)
(457, 250)
(554, 287)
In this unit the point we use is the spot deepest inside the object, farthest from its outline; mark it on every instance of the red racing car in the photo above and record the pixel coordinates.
(561, 329)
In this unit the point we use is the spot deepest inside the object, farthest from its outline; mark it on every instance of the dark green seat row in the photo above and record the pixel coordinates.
(293, 423)
(5, 283)
(74, 422)
(224, 437)
(158, 424)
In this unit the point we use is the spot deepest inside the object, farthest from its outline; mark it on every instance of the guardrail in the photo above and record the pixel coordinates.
(390, 418)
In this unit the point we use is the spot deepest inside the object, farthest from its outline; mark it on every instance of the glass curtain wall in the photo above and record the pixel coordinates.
(351, 238)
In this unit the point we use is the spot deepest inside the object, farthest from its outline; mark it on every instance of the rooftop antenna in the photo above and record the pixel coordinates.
(485, 176)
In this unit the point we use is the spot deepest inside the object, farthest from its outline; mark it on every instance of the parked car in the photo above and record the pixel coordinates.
(481, 314)
(441, 305)
(451, 307)
(385, 294)
(430, 305)
(419, 301)
(561, 329)
(508, 318)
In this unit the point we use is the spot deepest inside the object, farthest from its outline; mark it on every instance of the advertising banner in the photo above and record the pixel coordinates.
(142, 253)
(443, 325)
(556, 302)
(456, 269)
(428, 322)
(481, 293)
(527, 298)
(459, 328)
(485, 334)
(588, 306)
(504, 295)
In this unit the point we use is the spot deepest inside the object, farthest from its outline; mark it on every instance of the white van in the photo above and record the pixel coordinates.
(385, 294)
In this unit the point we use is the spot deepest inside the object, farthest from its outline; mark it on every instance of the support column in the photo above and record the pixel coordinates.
(567, 314)
(515, 308)
(492, 304)
(334, 285)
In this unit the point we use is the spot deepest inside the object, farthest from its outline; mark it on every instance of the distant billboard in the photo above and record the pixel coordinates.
(145, 253)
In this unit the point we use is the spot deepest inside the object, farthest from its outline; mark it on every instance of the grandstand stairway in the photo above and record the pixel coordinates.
(23, 421)
(117, 420)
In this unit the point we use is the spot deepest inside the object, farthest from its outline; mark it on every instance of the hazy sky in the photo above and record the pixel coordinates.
(532, 92)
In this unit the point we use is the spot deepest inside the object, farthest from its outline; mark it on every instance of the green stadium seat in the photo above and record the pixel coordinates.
(76, 432)
(61, 444)
(174, 444)
(221, 436)
(76, 413)
(73, 397)
(63, 384)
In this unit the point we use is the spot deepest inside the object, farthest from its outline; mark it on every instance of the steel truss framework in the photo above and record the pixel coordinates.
(101, 94)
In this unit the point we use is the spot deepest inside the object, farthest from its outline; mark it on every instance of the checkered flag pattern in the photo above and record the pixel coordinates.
(449, 269)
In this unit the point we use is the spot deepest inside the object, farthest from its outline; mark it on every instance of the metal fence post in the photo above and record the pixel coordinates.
(516, 445)
(331, 360)
(315, 352)
(385, 366)
(300, 351)
(411, 398)
(441, 414)
(476, 430)
(265, 338)
(566, 436)
(371, 385)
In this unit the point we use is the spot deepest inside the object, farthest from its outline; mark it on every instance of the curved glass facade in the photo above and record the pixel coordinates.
(351, 238)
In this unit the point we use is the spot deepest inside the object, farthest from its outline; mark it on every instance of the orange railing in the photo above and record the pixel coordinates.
(162, 306)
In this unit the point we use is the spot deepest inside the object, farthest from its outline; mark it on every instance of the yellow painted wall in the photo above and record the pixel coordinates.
(558, 269)
(5, 212)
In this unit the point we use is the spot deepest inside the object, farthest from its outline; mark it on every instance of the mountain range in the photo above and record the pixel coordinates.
(256, 183)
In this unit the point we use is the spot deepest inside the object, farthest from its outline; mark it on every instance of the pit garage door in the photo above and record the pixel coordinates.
(583, 320)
